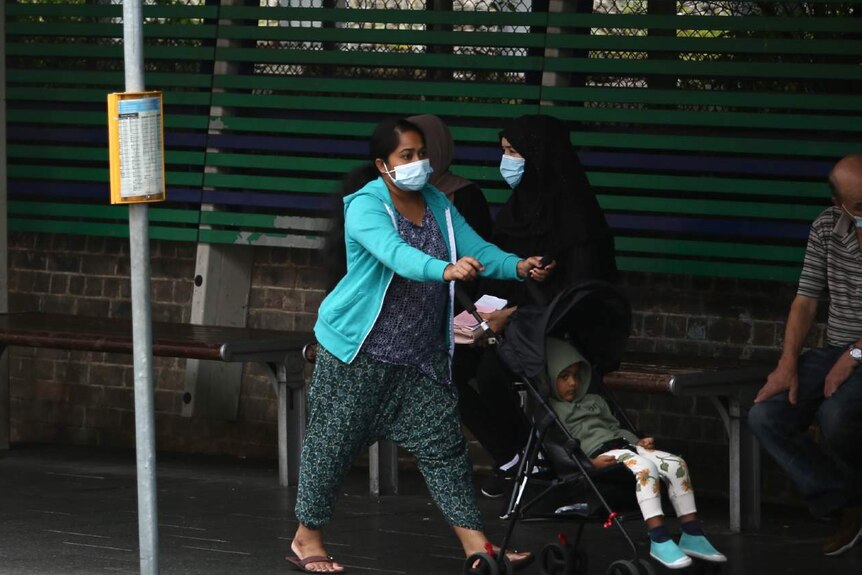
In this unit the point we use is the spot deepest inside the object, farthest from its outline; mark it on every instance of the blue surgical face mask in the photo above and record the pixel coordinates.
(857, 219)
(410, 177)
(512, 170)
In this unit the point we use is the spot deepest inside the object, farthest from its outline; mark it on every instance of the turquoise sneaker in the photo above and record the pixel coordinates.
(669, 555)
(698, 546)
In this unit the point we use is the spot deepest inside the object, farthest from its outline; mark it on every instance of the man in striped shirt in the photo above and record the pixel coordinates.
(823, 384)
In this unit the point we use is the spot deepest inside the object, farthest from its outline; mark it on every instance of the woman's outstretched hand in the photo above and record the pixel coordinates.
(542, 273)
(464, 270)
(528, 265)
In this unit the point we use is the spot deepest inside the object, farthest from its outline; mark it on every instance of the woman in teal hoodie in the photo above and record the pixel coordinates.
(588, 419)
(385, 343)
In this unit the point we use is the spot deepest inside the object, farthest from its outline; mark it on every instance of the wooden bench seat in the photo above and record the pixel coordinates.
(730, 386)
(281, 353)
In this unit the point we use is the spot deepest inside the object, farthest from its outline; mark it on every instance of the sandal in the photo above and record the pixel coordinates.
(300, 564)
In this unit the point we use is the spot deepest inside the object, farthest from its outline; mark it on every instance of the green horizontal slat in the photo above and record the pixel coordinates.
(618, 42)
(94, 95)
(65, 50)
(745, 120)
(100, 212)
(271, 183)
(754, 146)
(78, 174)
(113, 80)
(296, 127)
(722, 23)
(344, 129)
(98, 229)
(109, 30)
(105, 10)
(705, 98)
(19, 116)
(293, 163)
(709, 207)
(376, 59)
(708, 268)
(387, 87)
(93, 154)
(677, 247)
(366, 105)
(635, 67)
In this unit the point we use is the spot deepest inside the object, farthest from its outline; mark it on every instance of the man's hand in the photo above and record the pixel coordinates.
(603, 461)
(783, 378)
(528, 265)
(838, 374)
(464, 270)
(647, 443)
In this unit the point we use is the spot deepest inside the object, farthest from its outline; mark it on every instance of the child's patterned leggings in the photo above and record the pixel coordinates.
(353, 405)
(650, 465)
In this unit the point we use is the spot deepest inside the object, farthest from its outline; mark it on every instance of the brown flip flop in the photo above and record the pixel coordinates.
(300, 564)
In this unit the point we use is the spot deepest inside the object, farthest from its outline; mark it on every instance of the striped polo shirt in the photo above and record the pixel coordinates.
(833, 271)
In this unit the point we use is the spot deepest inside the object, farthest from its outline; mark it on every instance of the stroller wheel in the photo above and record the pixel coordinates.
(485, 564)
(645, 567)
(623, 567)
(558, 559)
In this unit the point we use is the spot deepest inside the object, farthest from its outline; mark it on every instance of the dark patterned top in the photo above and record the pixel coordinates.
(833, 271)
(409, 329)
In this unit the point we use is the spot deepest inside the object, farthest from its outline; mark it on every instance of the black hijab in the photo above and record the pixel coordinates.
(552, 212)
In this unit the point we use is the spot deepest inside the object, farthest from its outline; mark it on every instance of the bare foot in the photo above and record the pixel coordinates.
(308, 543)
(514, 557)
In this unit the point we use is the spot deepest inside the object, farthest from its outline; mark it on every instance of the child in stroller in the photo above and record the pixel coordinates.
(594, 318)
(588, 419)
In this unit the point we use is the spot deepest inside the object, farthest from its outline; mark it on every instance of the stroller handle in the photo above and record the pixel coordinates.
(467, 303)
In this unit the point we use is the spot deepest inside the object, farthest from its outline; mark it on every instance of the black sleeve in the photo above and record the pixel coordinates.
(471, 203)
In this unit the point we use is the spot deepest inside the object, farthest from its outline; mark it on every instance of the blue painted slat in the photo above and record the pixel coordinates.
(173, 138)
(287, 144)
(707, 164)
(84, 190)
(709, 227)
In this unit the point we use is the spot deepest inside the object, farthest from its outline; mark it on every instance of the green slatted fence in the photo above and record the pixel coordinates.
(707, 133)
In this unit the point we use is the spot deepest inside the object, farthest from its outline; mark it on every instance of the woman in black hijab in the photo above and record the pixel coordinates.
(552, 211)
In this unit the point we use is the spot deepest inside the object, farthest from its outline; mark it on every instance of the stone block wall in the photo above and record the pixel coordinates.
(87, 398)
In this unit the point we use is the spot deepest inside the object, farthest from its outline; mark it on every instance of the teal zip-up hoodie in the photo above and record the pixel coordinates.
(375, 252)
(587, 417)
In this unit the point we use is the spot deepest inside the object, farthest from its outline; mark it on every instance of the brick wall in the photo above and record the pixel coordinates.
(86, 398)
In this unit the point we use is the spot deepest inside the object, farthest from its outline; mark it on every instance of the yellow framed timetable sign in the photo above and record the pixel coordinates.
(136, 147)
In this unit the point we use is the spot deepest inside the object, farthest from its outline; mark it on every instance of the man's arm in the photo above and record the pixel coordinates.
(840, 371)
(784, 377)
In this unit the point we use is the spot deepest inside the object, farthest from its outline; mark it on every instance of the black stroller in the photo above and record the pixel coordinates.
(596, 319)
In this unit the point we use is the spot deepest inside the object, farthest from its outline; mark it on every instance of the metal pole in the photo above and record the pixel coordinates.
(139, 250)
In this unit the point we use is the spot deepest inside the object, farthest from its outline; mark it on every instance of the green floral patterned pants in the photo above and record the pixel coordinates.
(353, 405)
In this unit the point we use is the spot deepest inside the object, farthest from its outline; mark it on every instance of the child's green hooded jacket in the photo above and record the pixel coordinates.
(588, 416)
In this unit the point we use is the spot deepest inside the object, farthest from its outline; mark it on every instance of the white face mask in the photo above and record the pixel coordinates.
(857, 219)
(410, 177)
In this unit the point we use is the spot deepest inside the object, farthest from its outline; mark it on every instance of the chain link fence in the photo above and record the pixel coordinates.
(390, 48)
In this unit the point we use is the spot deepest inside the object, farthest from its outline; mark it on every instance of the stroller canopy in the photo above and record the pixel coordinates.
(593, 315)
